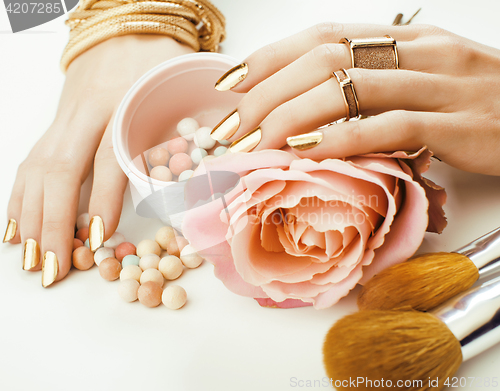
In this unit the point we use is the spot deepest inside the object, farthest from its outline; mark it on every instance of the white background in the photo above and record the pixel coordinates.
(78, 335)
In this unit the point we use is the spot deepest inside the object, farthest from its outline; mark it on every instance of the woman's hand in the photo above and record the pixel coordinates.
(46, 191)
(445, 95)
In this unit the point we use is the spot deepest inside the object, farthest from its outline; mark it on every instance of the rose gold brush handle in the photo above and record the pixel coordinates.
(484, 252)
(474, 317)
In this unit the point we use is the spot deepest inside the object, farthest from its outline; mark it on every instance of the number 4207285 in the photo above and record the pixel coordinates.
(33, 8)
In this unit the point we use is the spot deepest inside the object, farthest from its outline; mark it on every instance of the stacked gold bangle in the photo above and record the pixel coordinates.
(196, 23)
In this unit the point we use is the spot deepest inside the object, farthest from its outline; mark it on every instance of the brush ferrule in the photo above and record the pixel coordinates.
(484, 253)
(474, 317)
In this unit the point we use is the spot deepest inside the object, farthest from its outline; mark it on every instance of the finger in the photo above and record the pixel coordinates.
(377, 91)
(313, 69)
(271, 58)
(12, 231)
(31, 219)
(60, 206)
(390, 131)
(108, 187)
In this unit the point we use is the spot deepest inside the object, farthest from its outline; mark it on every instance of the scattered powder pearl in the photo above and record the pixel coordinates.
(82, 234)
(185, 175)
(149, 261)
(190, 257)
(149, 294)
(103, 253)
(219, 151)
(171, 267)
(161, 173)
(180, 162)
(197, 155)
(177, 145)
(163, 235)
(83, 258)
(128, 290)
(158, 157)
(224, 142)
(148, 246)
(187, 126)
(87, 243)
(130, 259)
(174, 297)
(131, 271)
(123, 249)
(152, 275)
(114, 241)
(110, 268)
(77, 243)
(83, 221)
(175, 245)
(202, 138)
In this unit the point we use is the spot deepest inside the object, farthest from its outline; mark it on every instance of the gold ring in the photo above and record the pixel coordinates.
(373, 53)
(348, 92)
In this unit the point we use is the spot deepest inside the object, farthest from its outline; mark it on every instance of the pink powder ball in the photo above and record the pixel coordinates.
(158, 157)
(161, 173)
(123, 250)
(82, 234)
(177, 145)
(77, 243)
(180, 162)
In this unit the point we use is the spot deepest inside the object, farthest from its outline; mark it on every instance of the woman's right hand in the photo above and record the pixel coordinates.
(45, 196)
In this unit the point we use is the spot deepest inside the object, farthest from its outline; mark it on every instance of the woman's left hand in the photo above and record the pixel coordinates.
(445, 95)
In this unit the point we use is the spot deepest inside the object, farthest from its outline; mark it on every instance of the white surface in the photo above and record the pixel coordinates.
(79, 335)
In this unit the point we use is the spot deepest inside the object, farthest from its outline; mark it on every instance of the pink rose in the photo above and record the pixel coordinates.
(295, 232)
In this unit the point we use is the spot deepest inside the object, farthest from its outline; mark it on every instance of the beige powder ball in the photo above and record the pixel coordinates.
(149, 294)
(110, 268)
(128, 290)
(190, 257)
(171, 267)
(152, 275)
(131, 271)
(149, 261)
(174, 297)
(148, 246)
(163, 236)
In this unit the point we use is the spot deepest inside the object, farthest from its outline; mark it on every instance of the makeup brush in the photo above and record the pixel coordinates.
(412, 350)
(425, 281)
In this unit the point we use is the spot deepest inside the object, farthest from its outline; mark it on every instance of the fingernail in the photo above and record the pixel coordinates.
(232, 77)
(247, 142)
(96, 233)
(305, 141)
(10, 231)
(227, 127)
(31, 253)
(50, 267)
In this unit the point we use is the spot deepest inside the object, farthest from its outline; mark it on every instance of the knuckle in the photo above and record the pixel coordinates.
(405, 123)
(271, 52)
(104, 154)
(53, 226)
(428, 29)
(259, 96)
(324, 55)
(328, 32)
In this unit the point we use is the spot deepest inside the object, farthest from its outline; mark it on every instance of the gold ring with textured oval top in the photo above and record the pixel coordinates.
(348, 92)
(373, 53)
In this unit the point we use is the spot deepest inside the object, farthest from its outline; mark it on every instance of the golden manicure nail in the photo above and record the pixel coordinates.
(409, 20)
(96, 233)
(232, 77)
(31, 253)
(227, 127)
(305, 141)
(10, 231)
(50, 268)
(247, 142)
(397, 20)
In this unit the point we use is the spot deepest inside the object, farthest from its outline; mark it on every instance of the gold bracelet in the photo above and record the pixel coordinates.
(196, 23)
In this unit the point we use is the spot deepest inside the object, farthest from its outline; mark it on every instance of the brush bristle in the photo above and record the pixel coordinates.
(421, 283)
(391, 345)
